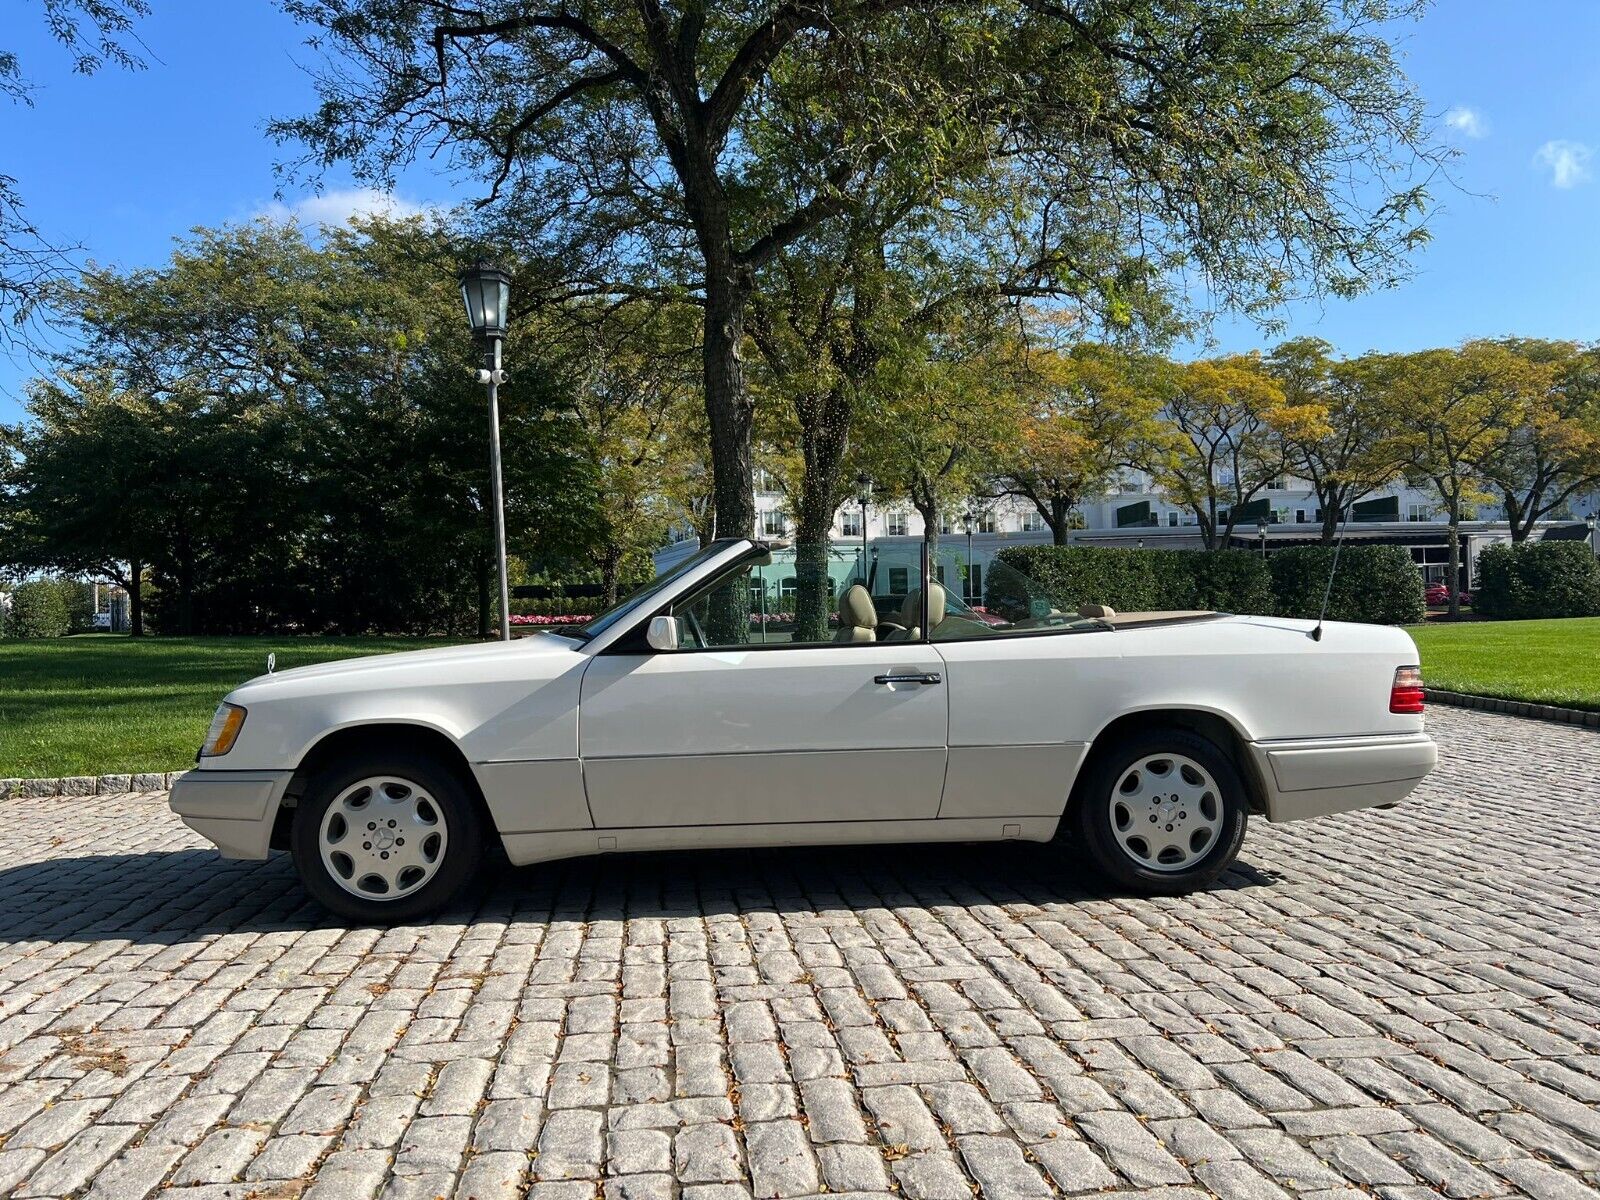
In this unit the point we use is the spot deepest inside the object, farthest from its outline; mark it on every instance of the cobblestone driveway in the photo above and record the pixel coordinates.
(1385, 1003)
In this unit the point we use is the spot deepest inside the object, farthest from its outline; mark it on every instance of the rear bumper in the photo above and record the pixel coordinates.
(235, 810)
(1319, 777)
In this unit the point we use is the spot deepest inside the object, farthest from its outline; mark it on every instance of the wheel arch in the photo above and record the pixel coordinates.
(1216, 727)
(376, 737)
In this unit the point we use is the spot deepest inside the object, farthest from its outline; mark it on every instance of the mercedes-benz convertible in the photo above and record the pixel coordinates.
(708, 710)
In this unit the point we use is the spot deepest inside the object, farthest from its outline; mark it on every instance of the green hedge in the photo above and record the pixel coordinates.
(1379, 585)
(1065, 577)
(558, 606)
(38, 610)
(1537, 579)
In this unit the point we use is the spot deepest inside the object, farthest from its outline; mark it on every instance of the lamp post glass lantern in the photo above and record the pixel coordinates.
(486, 292)
(1261, 532)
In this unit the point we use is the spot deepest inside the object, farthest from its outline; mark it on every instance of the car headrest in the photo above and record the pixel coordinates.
(911, 610)
(1102, 611)
(855, 608)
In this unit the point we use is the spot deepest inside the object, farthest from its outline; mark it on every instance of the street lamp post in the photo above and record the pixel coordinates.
(970, 518)
(486, 291)
(1261, 533)
(1590, 523)
(864, 495)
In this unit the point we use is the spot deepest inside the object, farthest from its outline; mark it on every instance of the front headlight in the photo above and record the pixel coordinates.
(224, 731)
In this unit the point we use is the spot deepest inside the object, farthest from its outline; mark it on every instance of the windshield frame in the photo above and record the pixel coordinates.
(649, 591)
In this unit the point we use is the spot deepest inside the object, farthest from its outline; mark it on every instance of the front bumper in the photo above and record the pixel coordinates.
(1319, 777)
(233, 809)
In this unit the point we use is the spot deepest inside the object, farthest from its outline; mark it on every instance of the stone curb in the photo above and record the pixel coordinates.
(86, 785)
(1515, 708)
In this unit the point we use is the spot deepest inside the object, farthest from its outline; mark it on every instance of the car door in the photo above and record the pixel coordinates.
(755, 728)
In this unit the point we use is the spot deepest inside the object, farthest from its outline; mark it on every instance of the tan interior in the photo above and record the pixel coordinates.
(857, 617)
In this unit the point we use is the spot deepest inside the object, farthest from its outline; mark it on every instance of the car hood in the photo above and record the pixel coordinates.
(375, 666)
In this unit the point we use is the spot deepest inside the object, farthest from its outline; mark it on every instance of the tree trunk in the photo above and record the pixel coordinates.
(610, 565)
(1059, 518)
(1330, 516)
(185, 589)
(135, 598)
(1515, 517)
(824, 437)
(1454, 580)
(813, 531)
(729, 414)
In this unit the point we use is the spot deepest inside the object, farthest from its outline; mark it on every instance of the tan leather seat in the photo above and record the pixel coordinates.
(1103, 611)
(857, 617)
(911, 614)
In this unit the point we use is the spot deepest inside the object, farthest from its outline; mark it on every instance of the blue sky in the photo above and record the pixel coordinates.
(121, 163)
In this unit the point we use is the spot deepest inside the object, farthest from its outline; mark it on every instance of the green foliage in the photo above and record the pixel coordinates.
(1375, 584)
(1537, 579)
(285, 435)
(1127, 580)
(38, 610)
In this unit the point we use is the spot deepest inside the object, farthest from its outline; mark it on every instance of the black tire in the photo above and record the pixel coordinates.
(1093, 815)
(460, 858)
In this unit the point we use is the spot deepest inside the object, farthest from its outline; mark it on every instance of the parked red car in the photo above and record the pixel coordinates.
(1437, 595)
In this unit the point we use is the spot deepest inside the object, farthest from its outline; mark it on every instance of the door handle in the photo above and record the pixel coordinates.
(927, 677)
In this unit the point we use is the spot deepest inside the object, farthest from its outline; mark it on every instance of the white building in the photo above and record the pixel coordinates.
(1136, 515)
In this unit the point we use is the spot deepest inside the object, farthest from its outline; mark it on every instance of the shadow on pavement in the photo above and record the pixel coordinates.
(167, 897)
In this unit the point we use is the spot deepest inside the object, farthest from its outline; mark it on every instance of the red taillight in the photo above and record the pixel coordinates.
(1406, 694)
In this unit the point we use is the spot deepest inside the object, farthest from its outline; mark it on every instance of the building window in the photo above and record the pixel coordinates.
(773, 524)
(975, 583)
(986, 522)
(850, 522)
(899, 581)
(1172, 517)
(899, 524)
(1032, 522)
(1299, 516)
(764, 484)
(1419, 512)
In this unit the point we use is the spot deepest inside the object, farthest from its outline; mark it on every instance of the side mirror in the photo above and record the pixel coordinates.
(663, 633)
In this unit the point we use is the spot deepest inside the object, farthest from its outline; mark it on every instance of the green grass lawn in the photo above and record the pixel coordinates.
(97, 704)
(1544, 662)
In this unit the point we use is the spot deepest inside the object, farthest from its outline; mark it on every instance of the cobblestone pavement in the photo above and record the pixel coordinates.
(1390, 1004)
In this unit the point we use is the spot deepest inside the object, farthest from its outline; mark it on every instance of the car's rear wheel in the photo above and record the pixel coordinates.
(386, 837)
(1162, 812)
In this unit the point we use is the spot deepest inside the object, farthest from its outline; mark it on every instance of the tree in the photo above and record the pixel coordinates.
(1228, 423)
(942, 410)
(1091, 409)
(1458, 407)
(288, 435)
(1269, 144)
(94, 33)
(84, 497)
(1353, 450)
(1553, 452)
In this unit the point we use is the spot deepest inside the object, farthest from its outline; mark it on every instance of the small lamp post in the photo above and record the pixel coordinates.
(864, 497)
(970, 519)
(1261, 533)
(1589, 522)
(486, 291)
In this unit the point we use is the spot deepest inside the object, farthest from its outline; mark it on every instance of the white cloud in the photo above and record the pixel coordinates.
(338, 206)
(1466, 121)
(1567, 162)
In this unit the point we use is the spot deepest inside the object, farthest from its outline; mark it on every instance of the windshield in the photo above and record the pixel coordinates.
(643, 594)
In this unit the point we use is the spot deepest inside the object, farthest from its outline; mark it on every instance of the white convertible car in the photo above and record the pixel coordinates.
(673, 721)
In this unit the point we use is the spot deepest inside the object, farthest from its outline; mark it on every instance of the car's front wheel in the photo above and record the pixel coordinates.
(386, 837)
(1163, 812)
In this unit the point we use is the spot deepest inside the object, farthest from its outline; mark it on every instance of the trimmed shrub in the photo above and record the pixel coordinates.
(38, 610)
(558, 606)
(1537, 579)
(1376, 584)
(1030, 580)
